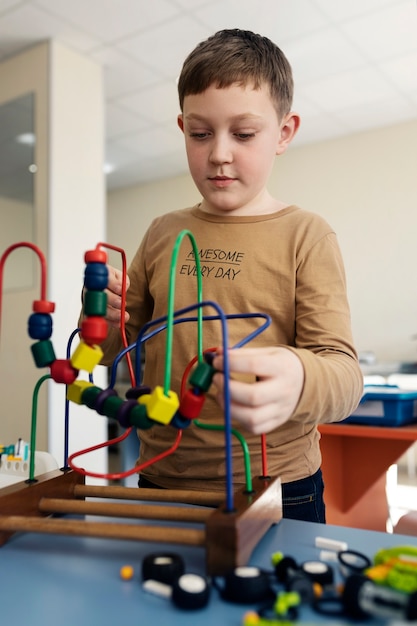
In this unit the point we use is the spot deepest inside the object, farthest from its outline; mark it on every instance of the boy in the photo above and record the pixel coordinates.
(257, 255)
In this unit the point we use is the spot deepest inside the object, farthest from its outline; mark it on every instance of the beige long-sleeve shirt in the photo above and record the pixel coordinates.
(286, 264)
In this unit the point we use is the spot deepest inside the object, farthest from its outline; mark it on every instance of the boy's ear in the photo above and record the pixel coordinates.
(288, 130)
(180, 122)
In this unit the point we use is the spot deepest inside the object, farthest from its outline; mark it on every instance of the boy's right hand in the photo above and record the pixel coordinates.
(114, 296)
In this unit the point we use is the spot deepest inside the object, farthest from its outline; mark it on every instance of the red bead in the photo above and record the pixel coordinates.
(191, 404)
(94, 330)
(63, 372)
(95, 256)
(43, 306)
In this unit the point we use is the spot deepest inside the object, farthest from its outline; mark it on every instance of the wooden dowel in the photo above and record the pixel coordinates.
(136, 532)
(121, 509)
(202, 498)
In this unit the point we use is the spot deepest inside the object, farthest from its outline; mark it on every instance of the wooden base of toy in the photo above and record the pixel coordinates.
(229, 537)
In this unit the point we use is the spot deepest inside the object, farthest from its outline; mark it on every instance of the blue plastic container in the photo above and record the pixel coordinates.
(385, 405)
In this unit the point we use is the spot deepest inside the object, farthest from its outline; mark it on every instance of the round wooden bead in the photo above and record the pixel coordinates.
(191, 404)
(63, 372)
(95, 256)
(111, 406)
(139, 418)
(135, 392)
(89, 395)
(95, 303)
(94, 330)
(96, 276)
(123, 413)
(43, 353)
(40, 326)
(43, 306)
(202, 376)
(102, 397)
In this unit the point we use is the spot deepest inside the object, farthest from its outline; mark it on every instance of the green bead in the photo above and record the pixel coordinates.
(95, 303)
(138, 417)
(43, 353)
(89, 395)
(111, 406)
(202, 376)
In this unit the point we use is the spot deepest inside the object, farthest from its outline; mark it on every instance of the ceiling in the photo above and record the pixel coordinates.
(354, 62)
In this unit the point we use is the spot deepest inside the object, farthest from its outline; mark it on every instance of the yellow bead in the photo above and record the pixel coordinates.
(127, 572)
(86, 357)
(159, 407)
(76, 389)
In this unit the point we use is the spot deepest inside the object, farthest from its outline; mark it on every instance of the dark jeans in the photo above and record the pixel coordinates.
(301, 499)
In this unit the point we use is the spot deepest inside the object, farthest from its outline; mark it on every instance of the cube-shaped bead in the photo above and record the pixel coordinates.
(86, 357)
(76, 389)
(160, 407)
(63, 372)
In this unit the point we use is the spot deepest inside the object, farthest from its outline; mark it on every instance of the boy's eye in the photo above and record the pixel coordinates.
(245, 136)
(198, 135)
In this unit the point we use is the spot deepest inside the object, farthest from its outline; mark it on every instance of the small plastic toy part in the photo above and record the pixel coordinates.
(164, 567)
(43, 306)
(96, 276)
(63, 372)
(93, 329)
(160, 407)
(138, 417)
(86, 357)
(40, 326)
(89, 395)
(75, 391)
(127, 572)
(135, 392)
(95, 256)
(43, 353)
(95, 303)
(363, 598)
(202, 376)
(191, 404)
(190, 591)
(247, 585)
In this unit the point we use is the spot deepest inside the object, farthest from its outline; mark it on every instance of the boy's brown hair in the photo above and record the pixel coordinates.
(238, 56)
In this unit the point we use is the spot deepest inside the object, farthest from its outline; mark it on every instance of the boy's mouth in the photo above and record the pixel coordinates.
(221, 181)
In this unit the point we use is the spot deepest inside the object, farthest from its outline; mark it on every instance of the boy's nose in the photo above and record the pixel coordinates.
(220, 151)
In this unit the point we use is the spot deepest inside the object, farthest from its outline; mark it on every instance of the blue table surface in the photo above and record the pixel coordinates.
(75, 581)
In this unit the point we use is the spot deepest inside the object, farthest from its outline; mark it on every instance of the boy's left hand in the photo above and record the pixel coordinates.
(263, 405)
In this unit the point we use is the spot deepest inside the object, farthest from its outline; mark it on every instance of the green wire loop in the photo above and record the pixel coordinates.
(33, 426)
(171, 298)
(243, 443)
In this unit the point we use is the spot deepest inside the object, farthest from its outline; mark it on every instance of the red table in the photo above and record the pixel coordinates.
(355, 461)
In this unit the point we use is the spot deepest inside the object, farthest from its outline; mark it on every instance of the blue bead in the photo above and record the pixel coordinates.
(40, 326)
(96, 276)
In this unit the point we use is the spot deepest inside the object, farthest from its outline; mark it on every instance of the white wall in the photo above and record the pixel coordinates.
(76, 224)
(365, 186)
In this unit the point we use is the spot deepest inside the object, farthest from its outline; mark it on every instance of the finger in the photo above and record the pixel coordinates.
(115, 281)
(250, 361)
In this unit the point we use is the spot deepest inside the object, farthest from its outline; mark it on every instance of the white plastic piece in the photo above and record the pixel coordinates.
(328, 555)
(157, 588)
(330, 544)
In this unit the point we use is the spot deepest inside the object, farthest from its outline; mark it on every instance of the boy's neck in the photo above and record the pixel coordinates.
(268, 206)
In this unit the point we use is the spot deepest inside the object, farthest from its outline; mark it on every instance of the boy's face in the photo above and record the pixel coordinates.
(232, 136)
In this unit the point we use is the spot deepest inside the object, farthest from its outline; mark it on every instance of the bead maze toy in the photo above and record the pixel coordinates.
(228, 527)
